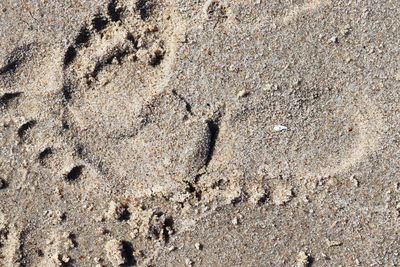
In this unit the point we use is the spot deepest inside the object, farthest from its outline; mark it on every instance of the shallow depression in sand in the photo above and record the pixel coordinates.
(117, 94)
(325, 135)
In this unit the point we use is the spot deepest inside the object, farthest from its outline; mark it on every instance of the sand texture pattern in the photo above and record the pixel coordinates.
(199, 133)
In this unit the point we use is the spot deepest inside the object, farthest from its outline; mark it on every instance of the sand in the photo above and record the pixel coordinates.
(199, 133)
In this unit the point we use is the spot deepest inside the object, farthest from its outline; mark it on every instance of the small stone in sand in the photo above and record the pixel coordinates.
(355, 182)
(334, 40)
(235, 221)
(242, 93)
(198, 246)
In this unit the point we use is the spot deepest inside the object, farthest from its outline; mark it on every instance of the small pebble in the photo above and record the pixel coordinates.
(235, 221)
(242, 93)
(198, 246)
(334, 40)
(355, 182)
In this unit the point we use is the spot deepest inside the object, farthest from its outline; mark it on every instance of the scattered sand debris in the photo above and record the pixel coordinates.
(280, 128)
(70, 242)
(235, 195)
(189, 262)
(306, 199)
(63, 260)
(180, 197)
(135, 233)
(156, 54)
(59, 217)
(267, 87)
(232, 68)
(346, 30)
(259, 196)
(160, 227)
(282, 194)
(118, 211)
(235, 221)
(302, 259)
(333, 243)
(214, 9)
(114, 252)
(270, 87)
(56, 217)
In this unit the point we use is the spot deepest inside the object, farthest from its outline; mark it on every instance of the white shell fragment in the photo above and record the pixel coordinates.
(280, 128)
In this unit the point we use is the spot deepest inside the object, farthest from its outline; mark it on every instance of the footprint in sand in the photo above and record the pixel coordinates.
(329, 130)
(325, 136)
(116, 104)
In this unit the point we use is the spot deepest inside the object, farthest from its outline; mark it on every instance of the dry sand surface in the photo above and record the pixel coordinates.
(199, 133)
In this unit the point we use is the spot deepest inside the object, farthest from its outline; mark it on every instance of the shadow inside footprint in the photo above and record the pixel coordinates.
(8, 98)
(74, 174)
(23, 129)
(17, 57)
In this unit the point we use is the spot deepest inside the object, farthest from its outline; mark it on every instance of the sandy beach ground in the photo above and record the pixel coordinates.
(199, 133)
